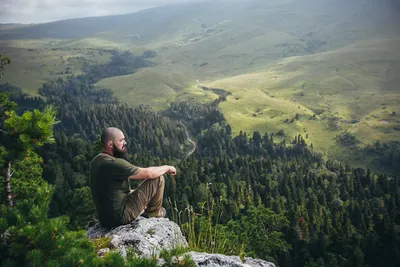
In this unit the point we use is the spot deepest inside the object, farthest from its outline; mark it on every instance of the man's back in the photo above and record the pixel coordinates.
(110, 184)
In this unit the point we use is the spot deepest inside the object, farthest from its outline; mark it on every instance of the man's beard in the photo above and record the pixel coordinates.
(120, 153)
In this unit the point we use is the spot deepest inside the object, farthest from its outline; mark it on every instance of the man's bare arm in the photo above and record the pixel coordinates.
(153, 172)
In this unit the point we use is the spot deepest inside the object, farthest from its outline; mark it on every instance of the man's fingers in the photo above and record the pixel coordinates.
(172, 171)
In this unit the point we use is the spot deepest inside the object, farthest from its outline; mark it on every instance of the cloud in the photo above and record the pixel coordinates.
(37, 11)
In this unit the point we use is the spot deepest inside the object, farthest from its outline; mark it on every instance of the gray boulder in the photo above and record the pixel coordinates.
(219, 260)
(147, 237)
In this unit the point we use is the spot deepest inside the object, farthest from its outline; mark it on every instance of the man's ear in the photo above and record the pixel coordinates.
(110, 144)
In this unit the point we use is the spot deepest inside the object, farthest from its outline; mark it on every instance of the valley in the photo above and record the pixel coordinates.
(290, 66)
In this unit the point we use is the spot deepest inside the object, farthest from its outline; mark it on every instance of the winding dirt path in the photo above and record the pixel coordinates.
(190, 141)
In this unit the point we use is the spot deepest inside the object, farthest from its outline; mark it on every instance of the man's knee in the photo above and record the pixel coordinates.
(159, 182)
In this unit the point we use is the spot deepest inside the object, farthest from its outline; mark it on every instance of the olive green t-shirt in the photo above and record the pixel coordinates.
(110, 184)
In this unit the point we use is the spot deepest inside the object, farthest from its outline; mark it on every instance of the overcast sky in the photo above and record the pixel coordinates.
(37, 11)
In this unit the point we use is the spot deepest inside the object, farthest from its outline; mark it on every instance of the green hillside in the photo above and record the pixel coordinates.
(213, 40)
(353, 89)
(243, 39)
(34, 63)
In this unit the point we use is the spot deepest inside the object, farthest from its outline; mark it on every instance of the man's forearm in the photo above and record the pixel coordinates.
(151, 172)
(155, 172)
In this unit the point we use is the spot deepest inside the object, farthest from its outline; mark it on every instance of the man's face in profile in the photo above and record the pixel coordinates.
(119, 147)
(120, 153)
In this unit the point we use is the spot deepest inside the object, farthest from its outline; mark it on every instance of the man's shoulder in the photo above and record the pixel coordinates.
(102, 157)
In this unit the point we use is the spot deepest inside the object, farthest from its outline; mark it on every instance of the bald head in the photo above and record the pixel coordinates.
(110, 134)
(114, 143)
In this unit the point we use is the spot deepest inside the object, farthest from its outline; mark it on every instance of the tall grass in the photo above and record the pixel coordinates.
(203, 229)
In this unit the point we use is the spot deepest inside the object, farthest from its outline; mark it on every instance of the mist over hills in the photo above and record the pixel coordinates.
(249, 32)
(291, 16)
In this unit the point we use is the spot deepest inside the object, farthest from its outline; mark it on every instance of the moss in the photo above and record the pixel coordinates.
(172, 257)
(150, 232)
(101, 242)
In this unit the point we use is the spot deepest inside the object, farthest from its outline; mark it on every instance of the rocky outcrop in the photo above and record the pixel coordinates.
(219, 260)
(148, 237)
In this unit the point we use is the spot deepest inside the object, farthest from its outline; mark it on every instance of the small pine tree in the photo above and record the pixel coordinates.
(28, 237)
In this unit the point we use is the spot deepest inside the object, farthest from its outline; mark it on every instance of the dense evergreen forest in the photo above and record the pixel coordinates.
(281, 201)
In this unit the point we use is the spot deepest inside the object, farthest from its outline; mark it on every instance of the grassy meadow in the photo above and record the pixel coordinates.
(33, 62)
(353, 89)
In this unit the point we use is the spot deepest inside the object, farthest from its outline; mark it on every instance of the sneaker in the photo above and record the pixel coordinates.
(153, 215)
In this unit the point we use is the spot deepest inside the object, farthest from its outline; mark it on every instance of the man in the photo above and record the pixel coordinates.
(115, 203)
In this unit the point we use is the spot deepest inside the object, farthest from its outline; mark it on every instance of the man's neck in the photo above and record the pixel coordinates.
(108, 153)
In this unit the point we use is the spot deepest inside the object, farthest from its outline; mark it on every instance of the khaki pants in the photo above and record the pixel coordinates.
(148, 195)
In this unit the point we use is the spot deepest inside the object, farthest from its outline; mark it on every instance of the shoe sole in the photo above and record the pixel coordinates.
(164, 213)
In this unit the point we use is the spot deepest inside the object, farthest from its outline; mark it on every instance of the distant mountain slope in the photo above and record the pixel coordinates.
(296, 18)
(9, 26)
(209, 40)
(153, 21)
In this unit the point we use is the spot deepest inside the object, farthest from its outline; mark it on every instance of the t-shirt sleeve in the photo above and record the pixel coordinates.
(122, 169)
